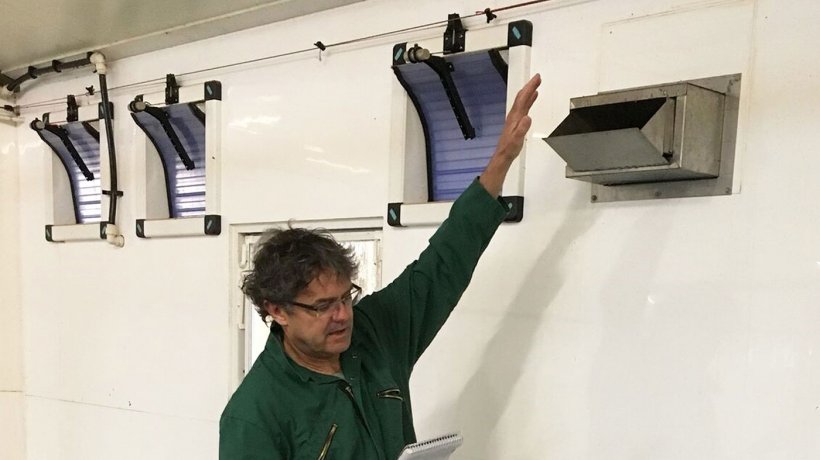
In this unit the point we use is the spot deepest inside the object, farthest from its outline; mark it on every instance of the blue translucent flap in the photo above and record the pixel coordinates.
(189, 123)
(85, 193)
(185, 188)
(454, 161)
(86, 140)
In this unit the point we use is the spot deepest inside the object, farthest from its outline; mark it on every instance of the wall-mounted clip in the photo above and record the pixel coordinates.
(489, 13)
(321, 47)
(109, 193)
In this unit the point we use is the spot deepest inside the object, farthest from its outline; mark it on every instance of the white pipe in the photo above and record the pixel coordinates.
(98, 59)
(113, 235)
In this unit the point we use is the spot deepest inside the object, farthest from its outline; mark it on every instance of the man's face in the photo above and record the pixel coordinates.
(322, 336)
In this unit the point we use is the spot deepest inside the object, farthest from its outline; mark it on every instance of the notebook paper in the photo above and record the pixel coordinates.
(438, 448)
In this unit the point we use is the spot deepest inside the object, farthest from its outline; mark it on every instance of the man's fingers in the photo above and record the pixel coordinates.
(527, 95)
(523, 126)
(521, 108)
(531, 100)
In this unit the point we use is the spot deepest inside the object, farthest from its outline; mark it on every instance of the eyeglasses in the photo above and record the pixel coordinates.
(349, 299)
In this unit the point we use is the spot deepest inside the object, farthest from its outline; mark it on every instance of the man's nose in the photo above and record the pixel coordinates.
(341, 312)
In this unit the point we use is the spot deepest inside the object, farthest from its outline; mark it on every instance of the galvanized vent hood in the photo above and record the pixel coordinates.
(661, 133)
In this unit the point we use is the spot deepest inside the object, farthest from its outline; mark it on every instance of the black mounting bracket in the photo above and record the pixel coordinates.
(140, 227)
(399, 50)
(444, 70)
(519, 33)
(213, 224)
(171, 89)
(72, 111)
(454, 35)
(515, 208)
(213, 90)
(394, 214)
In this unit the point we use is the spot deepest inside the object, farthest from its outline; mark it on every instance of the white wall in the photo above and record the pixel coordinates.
(12, 437)
(672, 329)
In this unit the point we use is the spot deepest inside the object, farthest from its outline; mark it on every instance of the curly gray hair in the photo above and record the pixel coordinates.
(287, 260)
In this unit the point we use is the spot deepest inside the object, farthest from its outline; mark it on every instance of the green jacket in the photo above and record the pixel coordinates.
(284, 411)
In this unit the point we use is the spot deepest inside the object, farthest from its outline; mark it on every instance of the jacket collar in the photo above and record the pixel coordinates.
(274, 354)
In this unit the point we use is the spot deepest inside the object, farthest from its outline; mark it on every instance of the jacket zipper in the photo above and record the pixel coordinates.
(328, 440)
(392, 393)
(349, 391)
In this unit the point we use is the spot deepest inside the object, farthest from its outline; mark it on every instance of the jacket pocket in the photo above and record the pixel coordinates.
(328, 441)
(391, 393)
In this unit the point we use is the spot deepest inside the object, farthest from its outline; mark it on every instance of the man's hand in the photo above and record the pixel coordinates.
(512, 137)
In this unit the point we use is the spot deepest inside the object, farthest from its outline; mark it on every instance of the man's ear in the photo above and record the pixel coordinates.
(277, 313)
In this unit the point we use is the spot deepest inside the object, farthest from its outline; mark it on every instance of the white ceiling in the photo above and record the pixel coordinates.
(35, 32)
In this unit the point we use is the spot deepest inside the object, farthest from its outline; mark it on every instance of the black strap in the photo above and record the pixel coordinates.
(444, 70)
(62, 134)
(162, 117)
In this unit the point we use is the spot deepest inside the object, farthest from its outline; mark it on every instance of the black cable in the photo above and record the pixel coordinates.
(56, 66)
(112, 154)
(517, 5)
(234, 64)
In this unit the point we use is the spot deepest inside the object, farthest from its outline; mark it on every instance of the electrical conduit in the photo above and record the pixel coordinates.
(112, 232)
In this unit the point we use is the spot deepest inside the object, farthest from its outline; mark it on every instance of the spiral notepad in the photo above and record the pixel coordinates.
(438, 448)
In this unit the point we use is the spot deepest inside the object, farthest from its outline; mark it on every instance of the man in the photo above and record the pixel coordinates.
(327, 386)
